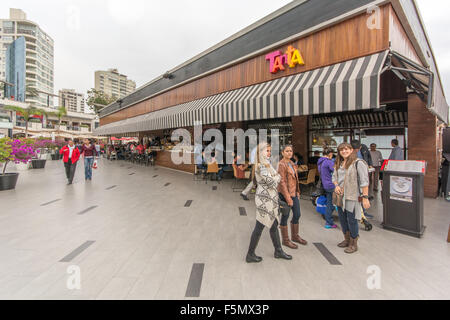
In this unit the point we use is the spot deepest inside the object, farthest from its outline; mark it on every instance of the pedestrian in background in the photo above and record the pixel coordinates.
(397, 152)
(71, 155)
(88, 151)
(377, 160)
(326, 169)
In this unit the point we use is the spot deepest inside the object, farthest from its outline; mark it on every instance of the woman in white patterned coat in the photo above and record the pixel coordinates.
(267, 207)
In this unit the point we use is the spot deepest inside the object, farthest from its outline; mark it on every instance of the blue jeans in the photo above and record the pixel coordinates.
(348, 222)
(88, 162)
(295, 211)
(330, 207)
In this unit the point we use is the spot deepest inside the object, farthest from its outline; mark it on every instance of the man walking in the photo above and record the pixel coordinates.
(377, 160)
(71, 154)
(397, 152)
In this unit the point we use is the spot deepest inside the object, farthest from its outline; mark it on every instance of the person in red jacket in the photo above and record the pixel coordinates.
(71, 154)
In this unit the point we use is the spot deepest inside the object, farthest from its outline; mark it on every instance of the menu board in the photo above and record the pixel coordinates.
(401, 188)
(408, 166)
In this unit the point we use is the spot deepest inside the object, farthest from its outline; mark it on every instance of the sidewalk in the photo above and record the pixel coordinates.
(134, 237)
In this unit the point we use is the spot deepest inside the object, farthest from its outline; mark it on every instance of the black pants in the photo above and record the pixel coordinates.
(70, 169)
(274, 235)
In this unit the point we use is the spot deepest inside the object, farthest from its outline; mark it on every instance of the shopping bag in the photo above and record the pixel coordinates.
(94, 165)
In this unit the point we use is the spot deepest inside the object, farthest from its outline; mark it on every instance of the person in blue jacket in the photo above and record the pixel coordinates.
(326, 169)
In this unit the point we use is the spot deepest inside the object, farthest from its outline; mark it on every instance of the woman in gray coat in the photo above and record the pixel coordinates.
(267, 206)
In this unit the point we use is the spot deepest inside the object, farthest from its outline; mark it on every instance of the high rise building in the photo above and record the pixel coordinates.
(15, 70)
(73, 101)
(39, 66)
(114, 84)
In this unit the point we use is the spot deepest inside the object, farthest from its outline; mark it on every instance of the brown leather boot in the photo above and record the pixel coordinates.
(346, 242)
(353, 247)
(285, 238)
(294, 235)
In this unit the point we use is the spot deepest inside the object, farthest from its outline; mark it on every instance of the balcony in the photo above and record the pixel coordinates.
(28, 32)
(8, 30)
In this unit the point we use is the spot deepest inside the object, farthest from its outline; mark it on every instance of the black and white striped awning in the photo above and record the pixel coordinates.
(354, 120)
(348, 86)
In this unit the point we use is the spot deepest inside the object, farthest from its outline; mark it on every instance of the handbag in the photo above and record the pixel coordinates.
(283, 208)
(319, 191)
(338, 200)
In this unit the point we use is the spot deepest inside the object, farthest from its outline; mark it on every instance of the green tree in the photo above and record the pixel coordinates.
(60, 112)
(97, 100)
(5, 152)
(27, 114)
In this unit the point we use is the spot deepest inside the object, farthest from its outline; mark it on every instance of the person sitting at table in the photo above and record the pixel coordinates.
(315, 158)
(140, 148)
(240, 168)
(213, 160)
(297, 159)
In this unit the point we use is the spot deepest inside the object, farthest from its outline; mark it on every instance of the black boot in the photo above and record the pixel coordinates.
(251, 256)
(279, 253)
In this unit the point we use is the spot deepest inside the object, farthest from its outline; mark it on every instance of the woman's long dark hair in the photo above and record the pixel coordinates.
(340, 160)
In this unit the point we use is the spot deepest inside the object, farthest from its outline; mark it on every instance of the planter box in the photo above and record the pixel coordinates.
(38, 163)
(8, 181)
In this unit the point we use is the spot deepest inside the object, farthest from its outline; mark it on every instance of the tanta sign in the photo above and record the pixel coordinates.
(278, 60)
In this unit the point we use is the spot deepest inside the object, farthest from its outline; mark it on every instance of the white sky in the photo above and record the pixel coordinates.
(144, 39)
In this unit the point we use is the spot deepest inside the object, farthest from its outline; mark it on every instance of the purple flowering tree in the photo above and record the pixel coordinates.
(21, 152)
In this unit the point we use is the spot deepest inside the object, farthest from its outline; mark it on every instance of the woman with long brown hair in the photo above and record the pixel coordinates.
(351, 179)
(267, 207)
(289, 192)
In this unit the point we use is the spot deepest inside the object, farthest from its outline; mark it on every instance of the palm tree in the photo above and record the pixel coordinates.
(60, 112)
(27, 114)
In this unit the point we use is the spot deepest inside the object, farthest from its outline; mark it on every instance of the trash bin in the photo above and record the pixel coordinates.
(403, 188)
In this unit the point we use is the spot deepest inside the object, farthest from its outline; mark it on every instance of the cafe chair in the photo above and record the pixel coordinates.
(212, 171)
(113, 156)
(239, 184)
(310, 181)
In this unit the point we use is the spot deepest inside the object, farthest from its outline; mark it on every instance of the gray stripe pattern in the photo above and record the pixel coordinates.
(348, 86)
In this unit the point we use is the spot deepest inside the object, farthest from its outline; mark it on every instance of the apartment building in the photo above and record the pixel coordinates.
(114, 84)
(73, 101)
(39, 58)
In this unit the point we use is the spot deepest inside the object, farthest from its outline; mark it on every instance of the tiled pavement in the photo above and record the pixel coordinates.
(161, 235)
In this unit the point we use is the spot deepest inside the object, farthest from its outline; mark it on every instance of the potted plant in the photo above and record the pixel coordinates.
(7, 180)
(17, 151)
(40, 146)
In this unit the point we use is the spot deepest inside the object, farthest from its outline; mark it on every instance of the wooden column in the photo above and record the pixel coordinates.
(300, 135)
(423, 142)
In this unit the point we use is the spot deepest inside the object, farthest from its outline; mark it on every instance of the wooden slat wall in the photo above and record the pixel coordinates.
(399, 40)
(344, 41)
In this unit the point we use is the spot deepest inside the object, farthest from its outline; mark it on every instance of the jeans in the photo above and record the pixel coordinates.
(70, 169)
(88, 162)
(330, 207)
(295, 211)
(348, 222)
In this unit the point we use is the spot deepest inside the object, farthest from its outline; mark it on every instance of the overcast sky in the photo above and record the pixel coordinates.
(144, 39)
